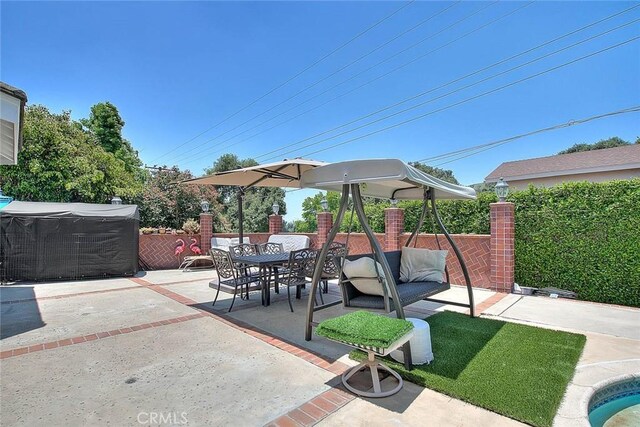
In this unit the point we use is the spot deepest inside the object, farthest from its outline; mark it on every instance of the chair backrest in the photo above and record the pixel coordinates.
(336, 253)
(302, 262)
(236, 240)
(244, 249)
(291, 242)
(271, 248)
(220, 243)
(223, 263)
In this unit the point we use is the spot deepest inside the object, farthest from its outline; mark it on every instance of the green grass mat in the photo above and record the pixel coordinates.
(364, 328)
(515, 370)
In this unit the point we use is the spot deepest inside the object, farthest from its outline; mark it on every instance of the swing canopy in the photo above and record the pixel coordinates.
(384, 179)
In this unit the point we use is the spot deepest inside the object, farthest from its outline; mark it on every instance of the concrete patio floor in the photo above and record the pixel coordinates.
(152, 351)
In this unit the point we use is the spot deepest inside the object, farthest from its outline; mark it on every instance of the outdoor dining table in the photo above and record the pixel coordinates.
(264, 262)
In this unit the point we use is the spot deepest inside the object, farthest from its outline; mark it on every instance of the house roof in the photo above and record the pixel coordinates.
(608, 159)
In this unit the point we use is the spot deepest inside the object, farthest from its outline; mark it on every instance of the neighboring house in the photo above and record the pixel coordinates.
(594, 166)
(12, 101)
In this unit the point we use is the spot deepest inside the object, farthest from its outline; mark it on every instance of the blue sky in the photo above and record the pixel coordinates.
(175, 69)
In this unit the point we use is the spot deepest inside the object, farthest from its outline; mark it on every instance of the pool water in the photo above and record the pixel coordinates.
(621, 412)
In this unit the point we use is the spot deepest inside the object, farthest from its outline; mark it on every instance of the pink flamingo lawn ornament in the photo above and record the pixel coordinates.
(194, 247)
(181, 247)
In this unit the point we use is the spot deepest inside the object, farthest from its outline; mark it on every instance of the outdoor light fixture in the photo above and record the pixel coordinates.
(115, 200)
(324, 204)
(394, 203)
(12, 101)
(502, 189)
(276, 208)
(205, 206)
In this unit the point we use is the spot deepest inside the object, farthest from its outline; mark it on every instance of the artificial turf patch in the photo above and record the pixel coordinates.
(515, 370)
(364, 328)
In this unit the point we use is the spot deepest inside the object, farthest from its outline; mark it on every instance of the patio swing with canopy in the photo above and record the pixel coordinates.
(387, 179)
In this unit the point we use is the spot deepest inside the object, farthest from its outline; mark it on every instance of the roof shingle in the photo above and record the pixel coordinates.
(564, 164)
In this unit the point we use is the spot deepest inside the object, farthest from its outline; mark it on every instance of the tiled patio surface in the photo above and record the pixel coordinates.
(118, 351)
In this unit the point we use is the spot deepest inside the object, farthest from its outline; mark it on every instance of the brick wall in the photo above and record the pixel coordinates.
(502, 246)
(393, 226)
(475, 250)
(275, 224)
(157, 251)
(325, 222)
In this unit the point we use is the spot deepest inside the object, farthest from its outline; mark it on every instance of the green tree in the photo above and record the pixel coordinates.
(167, 203)
(602, 144)
(62, 162)
(106, 125)
(257, 202)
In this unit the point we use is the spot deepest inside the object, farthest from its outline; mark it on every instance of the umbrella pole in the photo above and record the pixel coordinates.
(240, 216)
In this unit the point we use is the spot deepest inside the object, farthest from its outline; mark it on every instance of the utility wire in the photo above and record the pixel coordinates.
(353, 77)
(421, 116)
(471, 151)
(461, 88)
(338, 84)
(433, 89)
(342, 46)
(341, 69)
(295, 107)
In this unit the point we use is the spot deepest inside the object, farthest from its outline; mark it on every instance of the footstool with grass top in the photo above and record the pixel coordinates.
(375, 334)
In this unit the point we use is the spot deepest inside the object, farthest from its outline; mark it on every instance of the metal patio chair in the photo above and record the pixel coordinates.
(231, 275)
(300, 266)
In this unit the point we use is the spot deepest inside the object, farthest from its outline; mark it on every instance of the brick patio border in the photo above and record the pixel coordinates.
(76, 294)
(97, 336)
(314, 410)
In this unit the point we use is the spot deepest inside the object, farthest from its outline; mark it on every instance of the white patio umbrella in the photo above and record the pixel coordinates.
(286, 173)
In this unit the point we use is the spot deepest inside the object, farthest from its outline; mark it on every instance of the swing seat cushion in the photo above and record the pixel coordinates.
(364, 329)
(422, 265)
(363, 275)
(409, 292)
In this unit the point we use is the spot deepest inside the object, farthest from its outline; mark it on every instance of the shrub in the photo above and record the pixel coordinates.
(191, 226)
(584, 237)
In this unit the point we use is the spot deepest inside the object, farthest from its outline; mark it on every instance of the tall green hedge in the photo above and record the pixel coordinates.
(583, 237)
(459, 216)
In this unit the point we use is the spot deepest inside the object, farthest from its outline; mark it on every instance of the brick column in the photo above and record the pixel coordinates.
(275, 224)
(393, 228)
(325, 222)
(206, 231)
(502, 246)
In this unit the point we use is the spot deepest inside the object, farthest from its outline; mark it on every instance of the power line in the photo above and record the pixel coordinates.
(471, 151)
(342, 68)
(458, 89)
(353, 77)
(334, 73)
(374, 79)
(445, 85)
(421, 116)
(357, 36)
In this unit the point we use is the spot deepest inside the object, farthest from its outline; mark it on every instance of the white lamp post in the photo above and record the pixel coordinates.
(204, 205)
(115, 200)
(502, 189)
(276, 208)
(325, 204)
